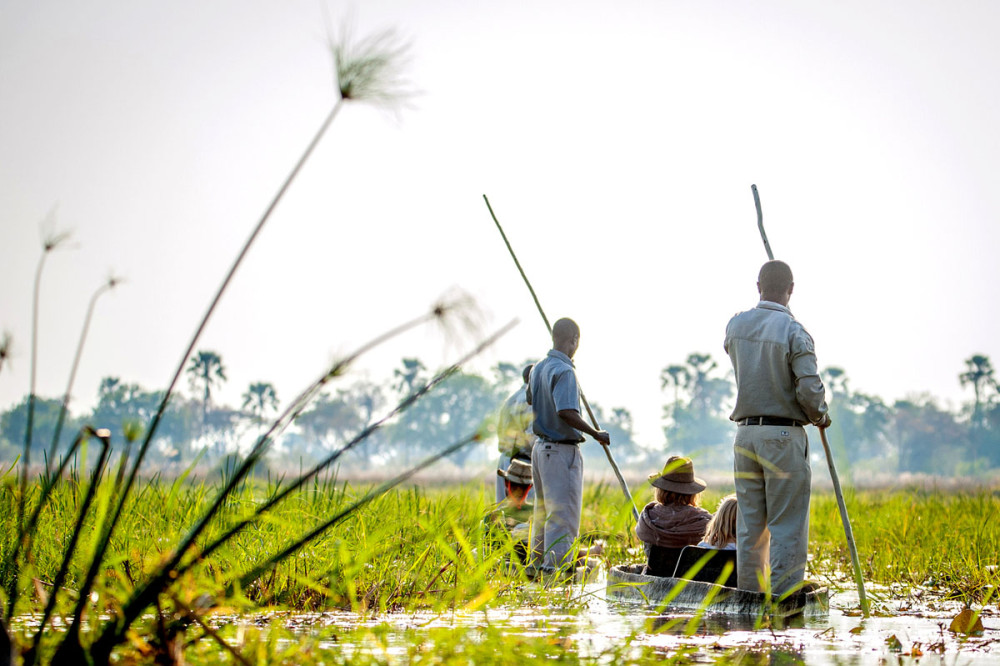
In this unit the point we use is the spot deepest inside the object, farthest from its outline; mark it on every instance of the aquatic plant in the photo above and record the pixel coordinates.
(51, 241)
(108, 285)
(367, 72)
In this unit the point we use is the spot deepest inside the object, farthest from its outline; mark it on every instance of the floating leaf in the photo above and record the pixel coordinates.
(858, 629)
(893, 643)
(966, 622)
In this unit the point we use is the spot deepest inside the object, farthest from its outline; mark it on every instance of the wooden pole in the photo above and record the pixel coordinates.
(848, 532)
(583, 398)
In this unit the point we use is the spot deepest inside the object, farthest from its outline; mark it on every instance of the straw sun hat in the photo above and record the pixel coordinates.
(678, 477)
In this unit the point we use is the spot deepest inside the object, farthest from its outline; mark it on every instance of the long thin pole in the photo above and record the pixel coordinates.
(583, 398)
(848, 532)
(760, 222)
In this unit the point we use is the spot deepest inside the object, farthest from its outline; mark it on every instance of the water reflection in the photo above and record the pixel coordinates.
(839, 638)
(591, 625)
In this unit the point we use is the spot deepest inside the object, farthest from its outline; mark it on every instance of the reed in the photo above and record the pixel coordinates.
(28, 530)
(367, 71)
(110, 284)
(419, 548)
(52, 241)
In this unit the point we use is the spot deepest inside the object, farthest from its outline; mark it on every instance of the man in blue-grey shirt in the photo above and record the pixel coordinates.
(557, 466)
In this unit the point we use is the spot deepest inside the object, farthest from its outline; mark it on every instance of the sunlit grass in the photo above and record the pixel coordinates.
(917, 540)
(423, 549)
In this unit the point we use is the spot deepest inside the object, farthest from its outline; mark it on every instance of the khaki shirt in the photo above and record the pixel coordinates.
(514, 425)
(774, 359)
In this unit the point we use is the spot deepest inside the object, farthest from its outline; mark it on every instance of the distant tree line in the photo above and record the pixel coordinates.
(915, 434)
(196, 427)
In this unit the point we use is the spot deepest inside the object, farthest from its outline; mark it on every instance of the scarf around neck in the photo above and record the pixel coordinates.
(672, 525)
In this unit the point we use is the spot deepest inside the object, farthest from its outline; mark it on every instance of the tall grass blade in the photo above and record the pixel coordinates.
(380, 490)
(105, 539)
(107, 286)
(104, 437)
(147, 592)
(23, 544)
(51, 241)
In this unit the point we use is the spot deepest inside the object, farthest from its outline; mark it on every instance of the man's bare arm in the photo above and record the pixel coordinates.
(572, 417)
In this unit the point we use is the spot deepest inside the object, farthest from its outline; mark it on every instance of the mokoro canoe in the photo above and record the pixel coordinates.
(625, 582)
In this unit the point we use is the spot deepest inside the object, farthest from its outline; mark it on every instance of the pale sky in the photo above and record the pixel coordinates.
(617, 142)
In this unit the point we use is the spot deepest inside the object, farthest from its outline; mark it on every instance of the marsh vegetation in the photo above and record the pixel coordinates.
(103, 560)
(412, 577)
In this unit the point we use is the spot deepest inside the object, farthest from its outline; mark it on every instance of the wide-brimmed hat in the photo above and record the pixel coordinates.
(678, 477)
(518, 471)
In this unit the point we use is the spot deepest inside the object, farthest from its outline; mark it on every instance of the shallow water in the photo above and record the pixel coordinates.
(904, 629)
(902, 633)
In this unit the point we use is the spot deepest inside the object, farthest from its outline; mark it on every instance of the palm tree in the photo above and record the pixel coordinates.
(676, 375)
(980, 375)
(409, 377)
(836, 379)
(205, 368)
(259, 398)
(702, 394)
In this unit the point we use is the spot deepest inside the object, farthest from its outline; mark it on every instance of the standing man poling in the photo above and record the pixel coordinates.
(778, 391)
(557, 466)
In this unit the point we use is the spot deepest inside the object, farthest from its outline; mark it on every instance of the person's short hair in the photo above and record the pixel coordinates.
(775, 277)
(670, 497)
(564, 330)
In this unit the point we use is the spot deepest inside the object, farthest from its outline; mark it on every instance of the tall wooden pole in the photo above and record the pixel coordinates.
(583, 398)
(848, 532)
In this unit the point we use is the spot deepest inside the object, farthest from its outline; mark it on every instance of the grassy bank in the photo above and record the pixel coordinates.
(421, 548)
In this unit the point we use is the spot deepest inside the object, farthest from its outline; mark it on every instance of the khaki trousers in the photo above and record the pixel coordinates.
(557, 473)
(773, 477)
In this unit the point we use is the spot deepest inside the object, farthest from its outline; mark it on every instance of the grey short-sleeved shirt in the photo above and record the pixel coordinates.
(552, 388)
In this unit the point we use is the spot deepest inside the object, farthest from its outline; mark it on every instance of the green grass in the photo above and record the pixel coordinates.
(422, 549)
(947, 542)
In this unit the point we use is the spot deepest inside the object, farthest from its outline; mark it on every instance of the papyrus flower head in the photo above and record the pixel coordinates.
(371, 69)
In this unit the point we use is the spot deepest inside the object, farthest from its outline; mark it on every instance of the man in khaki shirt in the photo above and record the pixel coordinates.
(778, 392)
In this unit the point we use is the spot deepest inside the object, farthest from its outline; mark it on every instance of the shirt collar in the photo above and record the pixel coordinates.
(555, 353)
(778, 307)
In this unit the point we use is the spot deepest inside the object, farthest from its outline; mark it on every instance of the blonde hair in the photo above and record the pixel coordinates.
(722, 528)
(669, 497)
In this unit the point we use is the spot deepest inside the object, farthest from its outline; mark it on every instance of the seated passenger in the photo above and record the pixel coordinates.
(674, 520)
(514, 512)
(721, 531)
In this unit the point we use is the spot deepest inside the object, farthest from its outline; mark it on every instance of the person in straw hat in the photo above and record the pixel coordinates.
(674, 519)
